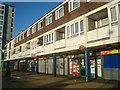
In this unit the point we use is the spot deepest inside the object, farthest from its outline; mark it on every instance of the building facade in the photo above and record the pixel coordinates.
(51, 44)
(6, 25)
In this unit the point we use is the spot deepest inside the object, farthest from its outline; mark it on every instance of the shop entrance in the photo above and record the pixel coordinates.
(77, 66)
(82, 66)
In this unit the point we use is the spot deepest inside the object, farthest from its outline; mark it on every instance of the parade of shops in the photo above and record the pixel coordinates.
(70, 40)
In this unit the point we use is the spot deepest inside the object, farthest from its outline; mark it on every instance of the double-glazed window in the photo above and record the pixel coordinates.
(113, 12)
(81, 26)
(72, 29)
(73, 4)
(59, 13)
(48, 38)
(34, 29)
(49, 19)
(28, 32)
(75, 28)
(40, 25)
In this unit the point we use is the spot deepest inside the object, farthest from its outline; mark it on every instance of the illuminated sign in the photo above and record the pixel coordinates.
(110, 52)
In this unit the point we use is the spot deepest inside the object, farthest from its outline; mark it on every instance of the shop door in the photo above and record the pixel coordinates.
(74, 68)
(95, 67)
(99, 67)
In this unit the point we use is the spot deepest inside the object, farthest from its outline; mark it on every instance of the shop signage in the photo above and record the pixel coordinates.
(41, 58)
(71, 56)
(34, 59)
(110, 52)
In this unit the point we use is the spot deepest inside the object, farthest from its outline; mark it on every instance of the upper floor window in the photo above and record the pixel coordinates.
(49, 19)
(81, 26)
(34, 29)
(59, 13)
(113, 14)
(73, 4)
(20, 38)
(48, 38)
(68, 30)
(28, 32)
(72, 29)
(76, 27)
(40, 25)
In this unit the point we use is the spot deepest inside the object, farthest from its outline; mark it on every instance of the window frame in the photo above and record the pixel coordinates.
(70, 5)
(82, 25)
(39, 25)
(28, 32)
(33, 29)
(57, 13)
(48, 21)
(116, 8)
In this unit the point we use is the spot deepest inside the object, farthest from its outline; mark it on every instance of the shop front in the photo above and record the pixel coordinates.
(77, 65)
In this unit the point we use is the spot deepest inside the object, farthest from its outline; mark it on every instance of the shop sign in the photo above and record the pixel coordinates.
(113, 51)
(71, 56)
(41, 58)
(34, 59)
(110, 52)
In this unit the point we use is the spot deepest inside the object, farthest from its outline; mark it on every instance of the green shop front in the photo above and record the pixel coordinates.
(77, 66)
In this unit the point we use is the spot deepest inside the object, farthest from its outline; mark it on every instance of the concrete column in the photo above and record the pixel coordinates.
(37, 66)
(18, 65)
(54, 64)
(26, 65)
(87, 61)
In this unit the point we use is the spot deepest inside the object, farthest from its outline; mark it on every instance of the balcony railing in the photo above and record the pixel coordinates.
(59, 44)
(98, 33)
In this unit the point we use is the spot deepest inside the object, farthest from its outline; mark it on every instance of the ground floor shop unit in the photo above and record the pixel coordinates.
(104, 64)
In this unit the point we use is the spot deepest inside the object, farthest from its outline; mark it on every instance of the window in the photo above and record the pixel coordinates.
(52, 37)
(33, 29)
(28, 32)
(1, 17)
(59, 13)
(1, 23)
(0, 28)
(40, 25)
(113, 14)
(49, 19)
(28, 46)
(44, 39)
(20, 37)
(76, 27)
(25, 34)
(73, 4)
(49, 37)
(81, 26)
(72, 29)
(68, 30)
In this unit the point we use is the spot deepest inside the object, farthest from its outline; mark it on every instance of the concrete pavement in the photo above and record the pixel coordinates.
(32, 80)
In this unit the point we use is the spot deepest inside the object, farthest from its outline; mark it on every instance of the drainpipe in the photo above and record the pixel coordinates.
(87, 61)
(54, 64)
